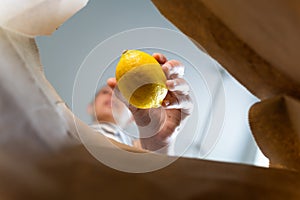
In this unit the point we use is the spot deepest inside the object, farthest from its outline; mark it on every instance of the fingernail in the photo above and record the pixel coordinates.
(160, 57)
(168, 66)
(171, 84)
(174, 83)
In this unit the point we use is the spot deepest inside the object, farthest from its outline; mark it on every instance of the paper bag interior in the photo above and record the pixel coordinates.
(42, 156)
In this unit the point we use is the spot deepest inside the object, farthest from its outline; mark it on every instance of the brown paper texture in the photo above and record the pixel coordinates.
(258, 43)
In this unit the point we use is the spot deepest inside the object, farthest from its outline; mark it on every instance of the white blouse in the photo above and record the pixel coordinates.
(112, 131)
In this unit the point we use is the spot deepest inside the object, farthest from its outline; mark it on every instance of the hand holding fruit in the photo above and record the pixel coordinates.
(167, 110)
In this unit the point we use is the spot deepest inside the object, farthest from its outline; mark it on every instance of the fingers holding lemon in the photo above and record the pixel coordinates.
(151, 81)
(146, 83)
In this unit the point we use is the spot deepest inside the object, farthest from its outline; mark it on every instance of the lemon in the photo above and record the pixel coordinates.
(141, 79)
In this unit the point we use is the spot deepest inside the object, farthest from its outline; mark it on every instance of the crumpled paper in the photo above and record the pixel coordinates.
(37, 17)
(35, 123)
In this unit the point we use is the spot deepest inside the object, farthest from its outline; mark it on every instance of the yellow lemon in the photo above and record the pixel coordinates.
(141, 79)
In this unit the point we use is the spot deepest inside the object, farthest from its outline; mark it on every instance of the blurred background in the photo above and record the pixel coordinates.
(73, 58)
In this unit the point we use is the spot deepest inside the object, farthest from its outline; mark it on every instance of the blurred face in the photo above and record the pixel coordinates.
(103, 105)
